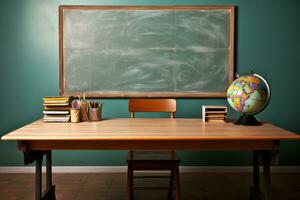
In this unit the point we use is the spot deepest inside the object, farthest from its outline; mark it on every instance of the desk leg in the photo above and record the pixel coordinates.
(256, 193)
(49, 169)
(50, 191)
(37, 157)
(266, 161)
(38, 178)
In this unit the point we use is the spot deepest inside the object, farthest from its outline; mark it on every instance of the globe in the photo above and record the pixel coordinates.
(248, 94)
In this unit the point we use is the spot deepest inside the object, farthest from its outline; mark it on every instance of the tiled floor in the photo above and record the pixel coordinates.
(200, 186)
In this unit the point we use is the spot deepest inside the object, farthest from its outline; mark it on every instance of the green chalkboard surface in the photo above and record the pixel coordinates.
(152, 51)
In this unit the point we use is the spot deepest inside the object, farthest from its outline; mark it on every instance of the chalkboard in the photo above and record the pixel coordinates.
(152, 51)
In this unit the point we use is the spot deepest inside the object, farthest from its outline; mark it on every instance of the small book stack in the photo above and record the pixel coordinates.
(214, 113)
(56, 109)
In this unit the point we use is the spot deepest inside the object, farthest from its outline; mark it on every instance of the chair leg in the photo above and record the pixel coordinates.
(129, 183)
(171, 185)
(177, 183)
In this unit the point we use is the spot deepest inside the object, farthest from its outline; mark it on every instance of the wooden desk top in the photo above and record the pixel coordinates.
(159, 129)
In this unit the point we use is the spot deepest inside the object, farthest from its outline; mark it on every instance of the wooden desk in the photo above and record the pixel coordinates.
(38, 139)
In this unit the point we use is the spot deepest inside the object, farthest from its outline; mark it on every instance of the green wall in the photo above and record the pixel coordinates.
(267, 41)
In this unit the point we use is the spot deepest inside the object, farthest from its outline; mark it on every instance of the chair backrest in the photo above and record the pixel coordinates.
(152, 105)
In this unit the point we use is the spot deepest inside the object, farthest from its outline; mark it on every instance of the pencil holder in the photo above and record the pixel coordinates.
(84, 108)
(95, 114)
(75, 115)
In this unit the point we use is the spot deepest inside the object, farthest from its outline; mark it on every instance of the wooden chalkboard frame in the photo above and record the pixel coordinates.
(229, 8)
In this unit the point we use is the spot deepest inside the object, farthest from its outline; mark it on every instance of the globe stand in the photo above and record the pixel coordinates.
(248, 120)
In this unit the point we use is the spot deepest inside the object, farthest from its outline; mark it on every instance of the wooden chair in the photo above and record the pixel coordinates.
(153, 160)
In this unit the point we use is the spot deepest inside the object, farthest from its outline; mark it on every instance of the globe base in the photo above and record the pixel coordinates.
(248, 120)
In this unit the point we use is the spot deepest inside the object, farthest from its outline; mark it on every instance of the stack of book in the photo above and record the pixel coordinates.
(56, 109)
(214, 113)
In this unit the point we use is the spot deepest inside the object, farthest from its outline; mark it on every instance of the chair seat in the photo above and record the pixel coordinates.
(152, 156)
